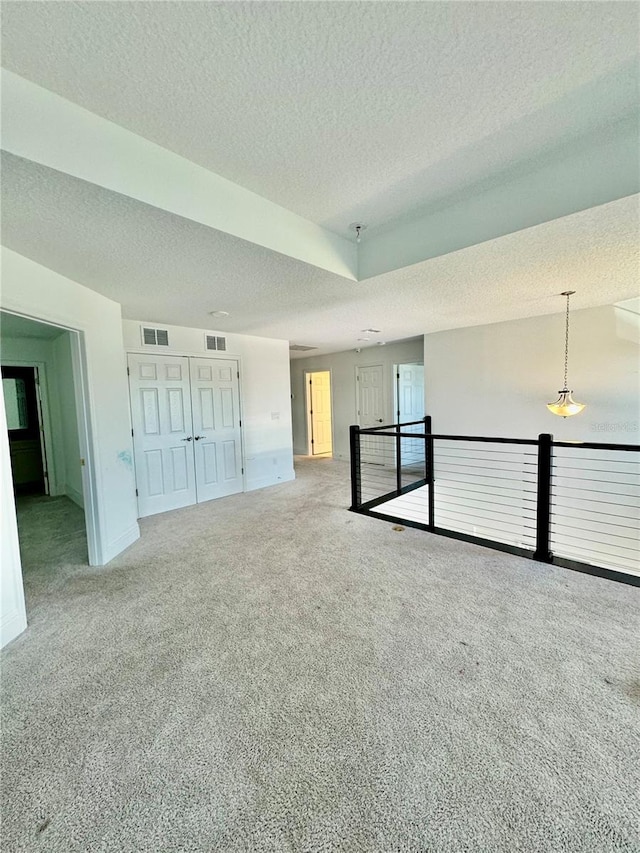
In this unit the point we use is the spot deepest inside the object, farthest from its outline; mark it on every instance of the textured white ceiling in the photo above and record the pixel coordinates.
(170, 270)
(339, 111)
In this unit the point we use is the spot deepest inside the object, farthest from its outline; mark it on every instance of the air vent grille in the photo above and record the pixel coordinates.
(212, 342)
(155, 337)
(300, 348)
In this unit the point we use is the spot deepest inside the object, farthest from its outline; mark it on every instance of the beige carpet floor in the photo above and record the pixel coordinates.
(270, 672)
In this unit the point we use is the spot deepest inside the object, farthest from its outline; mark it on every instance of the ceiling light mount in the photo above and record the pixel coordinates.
(358, 227)
(565, 405)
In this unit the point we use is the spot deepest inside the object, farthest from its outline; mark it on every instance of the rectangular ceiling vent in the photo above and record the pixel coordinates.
(300, 348)
(215, 343)
(155, 337)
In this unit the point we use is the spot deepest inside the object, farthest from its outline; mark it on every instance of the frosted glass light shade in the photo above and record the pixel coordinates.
(565, 405)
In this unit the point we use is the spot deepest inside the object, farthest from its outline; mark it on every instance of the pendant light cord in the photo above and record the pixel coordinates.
(566, 344)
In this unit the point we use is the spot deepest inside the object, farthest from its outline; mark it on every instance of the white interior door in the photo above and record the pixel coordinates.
(162, 432)
(371, 413)
(320, 411)
(410, 392)
(371, 402)
(409, 408)
(215, 396)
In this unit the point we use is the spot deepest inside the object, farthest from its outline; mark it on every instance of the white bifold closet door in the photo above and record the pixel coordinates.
(215, 402)
(186, 430)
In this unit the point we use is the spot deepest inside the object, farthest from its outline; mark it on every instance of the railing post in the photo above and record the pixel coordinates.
(543, 505)
(427, 430)
(356, 482)
(428, 466)
(398, 460)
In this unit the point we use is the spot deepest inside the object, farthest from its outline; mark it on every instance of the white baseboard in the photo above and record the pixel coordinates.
(11, 626)
(74, 495)
(121, 543)
(263, 482)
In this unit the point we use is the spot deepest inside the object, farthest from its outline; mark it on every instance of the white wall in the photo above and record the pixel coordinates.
(343, 388)
(496, 380)
(13, 618)
(35, 291)
(264, 392)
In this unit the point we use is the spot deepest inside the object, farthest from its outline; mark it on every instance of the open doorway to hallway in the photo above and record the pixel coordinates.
(319, 419)
(23, 405)
(41, 395)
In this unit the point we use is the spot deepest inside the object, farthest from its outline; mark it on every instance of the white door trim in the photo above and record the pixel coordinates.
(92, 508)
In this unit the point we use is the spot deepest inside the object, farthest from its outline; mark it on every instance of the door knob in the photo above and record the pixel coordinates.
(198, 437)
(188, 438)
(379, 420)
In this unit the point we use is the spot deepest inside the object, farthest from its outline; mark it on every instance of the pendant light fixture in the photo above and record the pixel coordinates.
(358, 227)
(565, 405)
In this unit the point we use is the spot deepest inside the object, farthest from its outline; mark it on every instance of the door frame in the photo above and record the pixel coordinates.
(44, 417)
(85, 433)
(307, 405)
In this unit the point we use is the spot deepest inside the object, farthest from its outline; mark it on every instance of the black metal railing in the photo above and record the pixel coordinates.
(575, 504)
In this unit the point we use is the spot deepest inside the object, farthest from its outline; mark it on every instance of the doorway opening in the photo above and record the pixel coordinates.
(319, 418)
(47, 427)
(23, 405)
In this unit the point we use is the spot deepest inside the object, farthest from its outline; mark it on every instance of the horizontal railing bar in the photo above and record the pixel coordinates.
(555, 486)
(390, 496)
(509, 537)
(564, 459)
(505, 479)
(571, 551)
(473, 453)
(463, 469)
(513, 464)
(368, 430)
(519, 521)
(563, 466)
(584, 531)
(393, 434)
(453, 501)
(566, 512)
(474, 438)
(611, 550)
(597, 480)
(484, 439)
(575, 445)
(596, 445)
(471, 511)
(488, 496)
(634, 516)
(522, 458)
